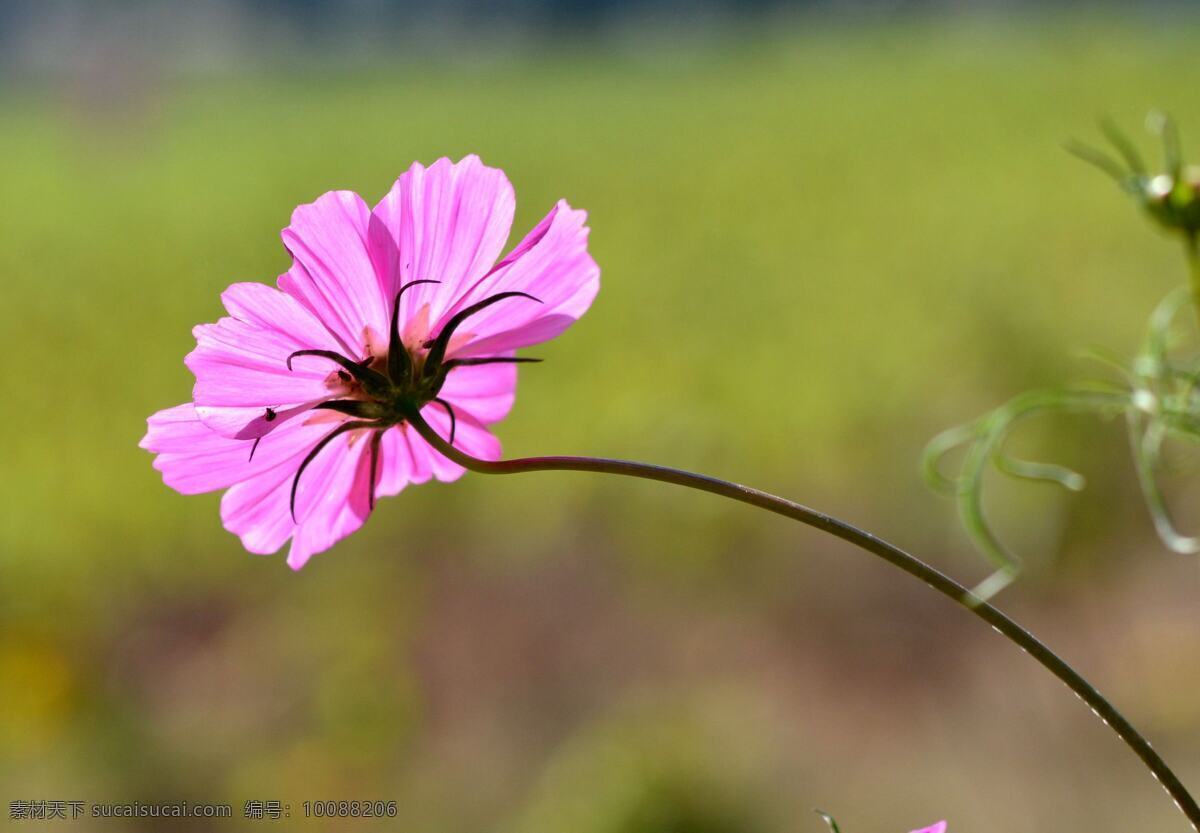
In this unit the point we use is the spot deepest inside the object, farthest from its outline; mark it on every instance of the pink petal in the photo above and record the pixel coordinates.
(240, 362)
(335, 502)
(256, 510)
(331, 499)
(448, 223)
(395, 462)
(268, 308)
(443, 469)
(404, 458)
(420, 457)
(333, 274)
(193, 458)
(940, 827)
(484, 391)
(552, 264)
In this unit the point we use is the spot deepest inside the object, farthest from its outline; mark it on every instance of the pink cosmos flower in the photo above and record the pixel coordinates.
(940, 827)
(302, 392)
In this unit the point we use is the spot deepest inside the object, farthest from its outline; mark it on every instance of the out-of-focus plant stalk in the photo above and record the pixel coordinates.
(1191, 246)
(890, 553)
(1157, 392)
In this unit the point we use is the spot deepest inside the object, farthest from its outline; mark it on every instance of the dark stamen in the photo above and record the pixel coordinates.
(453, 363)
(375, 438)
(350, 407)
(399, 362)
(449, 410)
(312, 455)
(270, 415)
(373, 380)
(437, 346)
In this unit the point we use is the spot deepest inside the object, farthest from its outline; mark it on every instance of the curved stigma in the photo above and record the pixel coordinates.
(376, 437)
(437, 346)
(399, 362)
(450, 411)
(350, 407)
(312, 455)
(372, 380)
(453, 363)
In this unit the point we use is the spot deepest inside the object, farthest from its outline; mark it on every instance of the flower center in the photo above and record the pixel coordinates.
(375, 391)
(387, 390)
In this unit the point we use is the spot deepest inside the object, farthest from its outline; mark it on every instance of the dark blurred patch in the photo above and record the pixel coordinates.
(675, 805)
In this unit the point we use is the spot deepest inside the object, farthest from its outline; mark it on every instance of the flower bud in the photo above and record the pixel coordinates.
(1171, 196)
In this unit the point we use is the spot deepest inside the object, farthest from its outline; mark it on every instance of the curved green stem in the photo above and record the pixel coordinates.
(1146, 445)
(890, 553)
(985, 439)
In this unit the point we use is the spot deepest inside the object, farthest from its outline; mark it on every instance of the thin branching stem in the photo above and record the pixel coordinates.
(984, 440)
(890, 553)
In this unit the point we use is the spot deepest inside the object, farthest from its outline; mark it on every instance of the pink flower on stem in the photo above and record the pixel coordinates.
(302, 392)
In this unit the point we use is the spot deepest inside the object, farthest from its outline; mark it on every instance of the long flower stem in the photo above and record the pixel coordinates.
(890, 553)
(1192, 249)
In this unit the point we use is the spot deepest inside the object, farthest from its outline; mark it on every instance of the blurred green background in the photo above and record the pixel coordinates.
(822, 241)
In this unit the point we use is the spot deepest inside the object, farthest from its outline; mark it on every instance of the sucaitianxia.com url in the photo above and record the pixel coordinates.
(43, 810)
